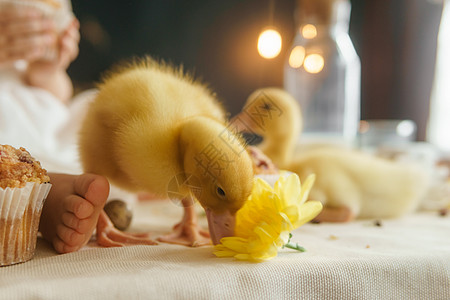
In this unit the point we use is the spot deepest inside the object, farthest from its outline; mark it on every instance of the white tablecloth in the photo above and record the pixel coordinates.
(406, 258)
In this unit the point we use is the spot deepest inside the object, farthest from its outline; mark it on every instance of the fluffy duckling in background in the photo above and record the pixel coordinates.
(355, 184)
(349, 183)
(152, 128)
(270, 113)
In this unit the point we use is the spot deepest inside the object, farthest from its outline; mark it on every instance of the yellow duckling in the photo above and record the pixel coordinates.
(149, 126)
(349, 183)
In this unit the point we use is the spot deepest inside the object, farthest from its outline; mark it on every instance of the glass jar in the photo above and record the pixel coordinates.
(323, 71)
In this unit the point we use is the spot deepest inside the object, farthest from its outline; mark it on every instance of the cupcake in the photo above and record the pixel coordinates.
(24, 185)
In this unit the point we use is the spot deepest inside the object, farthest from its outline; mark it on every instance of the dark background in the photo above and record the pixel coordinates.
(395, 39)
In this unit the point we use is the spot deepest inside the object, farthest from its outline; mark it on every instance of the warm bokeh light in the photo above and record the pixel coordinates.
(313, 63)
(406, 128)
(269, 43)
(309, 31)
(297, 56)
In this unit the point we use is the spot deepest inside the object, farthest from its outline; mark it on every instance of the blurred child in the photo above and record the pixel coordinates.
(35, 113)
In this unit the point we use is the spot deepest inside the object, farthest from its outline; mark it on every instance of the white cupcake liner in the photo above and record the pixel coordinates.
(62, 15)
(20, 210)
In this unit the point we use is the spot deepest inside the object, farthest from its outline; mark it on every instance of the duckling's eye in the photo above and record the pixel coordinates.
(220, 192)
(266, 106)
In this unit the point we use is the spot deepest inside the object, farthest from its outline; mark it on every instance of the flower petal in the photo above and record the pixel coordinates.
(243, 257)
(264, 223)
(292, 212)
(269, 253)
(283, 239)
(287, 222)
(260, 186)
(292, 190)
(306, 188)
(235, 243)
(308, 211)
(225, 253)
(279, 185)
(263, 235)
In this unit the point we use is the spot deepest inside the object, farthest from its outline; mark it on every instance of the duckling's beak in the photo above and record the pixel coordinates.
(220, 224)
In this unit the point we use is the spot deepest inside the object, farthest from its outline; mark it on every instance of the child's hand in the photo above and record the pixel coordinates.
(67, 51)
(68, 44)
(24, 34)
(51, 75)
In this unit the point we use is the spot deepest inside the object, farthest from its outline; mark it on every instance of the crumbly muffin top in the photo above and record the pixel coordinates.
(17, 167)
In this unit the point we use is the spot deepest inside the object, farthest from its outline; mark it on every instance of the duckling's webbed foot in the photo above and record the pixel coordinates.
(109, 236)
(187, 232)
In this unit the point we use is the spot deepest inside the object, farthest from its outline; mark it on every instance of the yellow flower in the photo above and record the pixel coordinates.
(264, 223)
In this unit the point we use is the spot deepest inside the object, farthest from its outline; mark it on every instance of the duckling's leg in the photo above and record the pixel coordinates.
(341, 198)
(109, 236)
(187, 232)
(335, 214)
